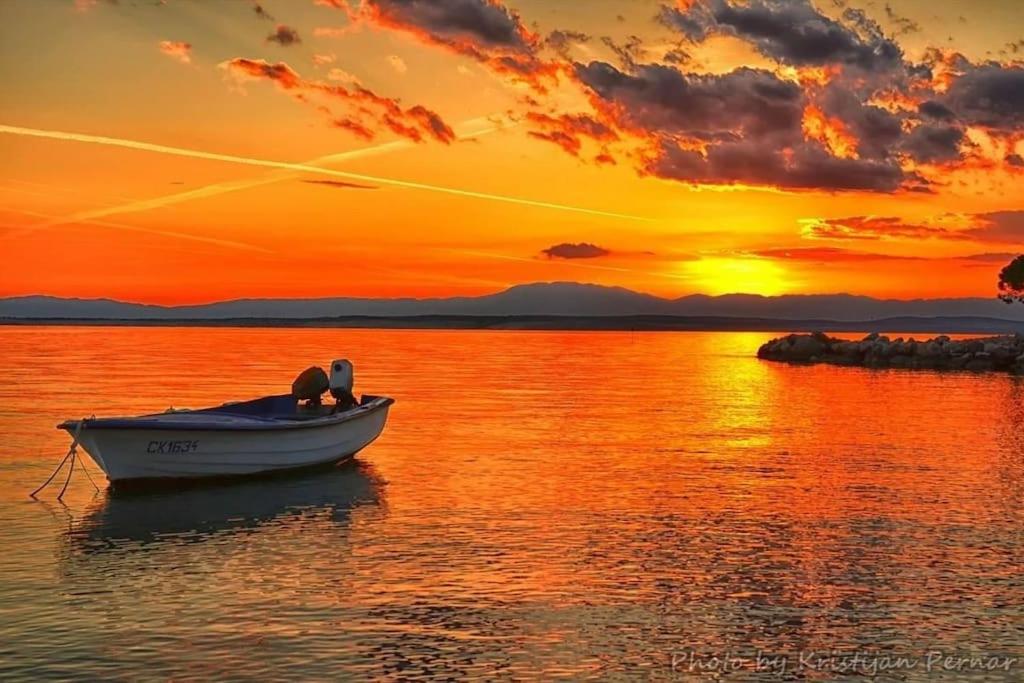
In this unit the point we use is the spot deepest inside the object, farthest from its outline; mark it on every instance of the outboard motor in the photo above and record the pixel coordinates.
(342, 379)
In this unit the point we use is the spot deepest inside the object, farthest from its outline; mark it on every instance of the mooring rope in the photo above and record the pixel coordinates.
(73, 454)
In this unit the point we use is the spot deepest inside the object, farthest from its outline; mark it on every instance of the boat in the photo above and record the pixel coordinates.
(259, 436)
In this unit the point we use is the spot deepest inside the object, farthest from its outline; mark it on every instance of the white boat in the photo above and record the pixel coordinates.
(268, 434)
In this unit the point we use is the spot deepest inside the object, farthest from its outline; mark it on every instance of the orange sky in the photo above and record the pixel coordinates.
(245, 111)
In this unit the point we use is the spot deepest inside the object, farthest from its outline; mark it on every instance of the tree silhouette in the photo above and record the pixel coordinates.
(1011, 281)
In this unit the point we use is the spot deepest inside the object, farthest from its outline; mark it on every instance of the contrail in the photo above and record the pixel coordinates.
(151, 231)
(215, 189)
(307, 168)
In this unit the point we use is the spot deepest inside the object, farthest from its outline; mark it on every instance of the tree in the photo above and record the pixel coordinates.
(1011, 281)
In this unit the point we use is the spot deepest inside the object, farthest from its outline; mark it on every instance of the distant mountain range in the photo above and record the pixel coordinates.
(555, 299)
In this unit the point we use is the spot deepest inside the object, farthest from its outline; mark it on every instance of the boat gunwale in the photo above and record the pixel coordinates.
(241, 423)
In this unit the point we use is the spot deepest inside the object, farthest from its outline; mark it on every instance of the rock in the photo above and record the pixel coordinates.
(978, 364)
(804, 348)
(929, 350)
(1002, 353)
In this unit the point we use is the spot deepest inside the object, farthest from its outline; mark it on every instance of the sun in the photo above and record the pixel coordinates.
(737, 275)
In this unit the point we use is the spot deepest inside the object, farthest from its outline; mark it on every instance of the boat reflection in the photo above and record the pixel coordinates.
(140, 519)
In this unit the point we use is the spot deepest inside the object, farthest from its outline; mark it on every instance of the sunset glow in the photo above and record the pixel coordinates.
(183, 152)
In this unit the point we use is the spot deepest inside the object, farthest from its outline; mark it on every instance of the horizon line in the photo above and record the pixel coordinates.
(214, 302)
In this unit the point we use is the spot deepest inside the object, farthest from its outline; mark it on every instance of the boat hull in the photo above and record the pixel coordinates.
(131, 454)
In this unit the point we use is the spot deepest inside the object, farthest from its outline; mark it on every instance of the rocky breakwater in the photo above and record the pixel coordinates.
(1002, 354)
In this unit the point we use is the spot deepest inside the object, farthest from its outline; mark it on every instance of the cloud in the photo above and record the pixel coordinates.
(745, 126)
(791, 32)
(398, 64)
(340, 184)
(936, 110)
(1005, 227)
(1000, 257)
(257, 8)
(629, 53)
(321, 60)
(711, 107)
(568, 130)
(177, 49)
(284, 36)
(330, 31)
(934, 144)
(841, 109)
(342, 76)
(562, 41)
(995, 227)
(990, 96)
(872, 228)
(838, 255)
(484, 30)
(828, 255)
(86, 5)
(362, 106)
(569, 250)
(902, 25)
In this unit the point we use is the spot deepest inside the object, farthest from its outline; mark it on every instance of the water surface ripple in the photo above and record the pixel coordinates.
(541, 504)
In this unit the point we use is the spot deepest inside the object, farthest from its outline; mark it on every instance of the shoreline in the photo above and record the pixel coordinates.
(638, 323)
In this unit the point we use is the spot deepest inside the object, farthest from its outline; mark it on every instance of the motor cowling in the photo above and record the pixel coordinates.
(342, 380)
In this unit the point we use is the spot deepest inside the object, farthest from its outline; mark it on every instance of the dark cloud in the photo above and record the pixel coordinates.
(363, 106)
(931, 144)
(568, 130)
(991, 95)
(260, 12)
(340, 184)
(676, 55)
(560, 41)
(568, 250)
(936, 110)
(661, 99)
(789, 31)
(854, 115)
(484, 30)
(284, 35)
(902, 25)
(744, 126)
(454, 21)
(805, 166)
(877, 130)
(629, 52)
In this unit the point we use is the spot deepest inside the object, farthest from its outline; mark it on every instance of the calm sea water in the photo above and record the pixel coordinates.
(541, 504)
